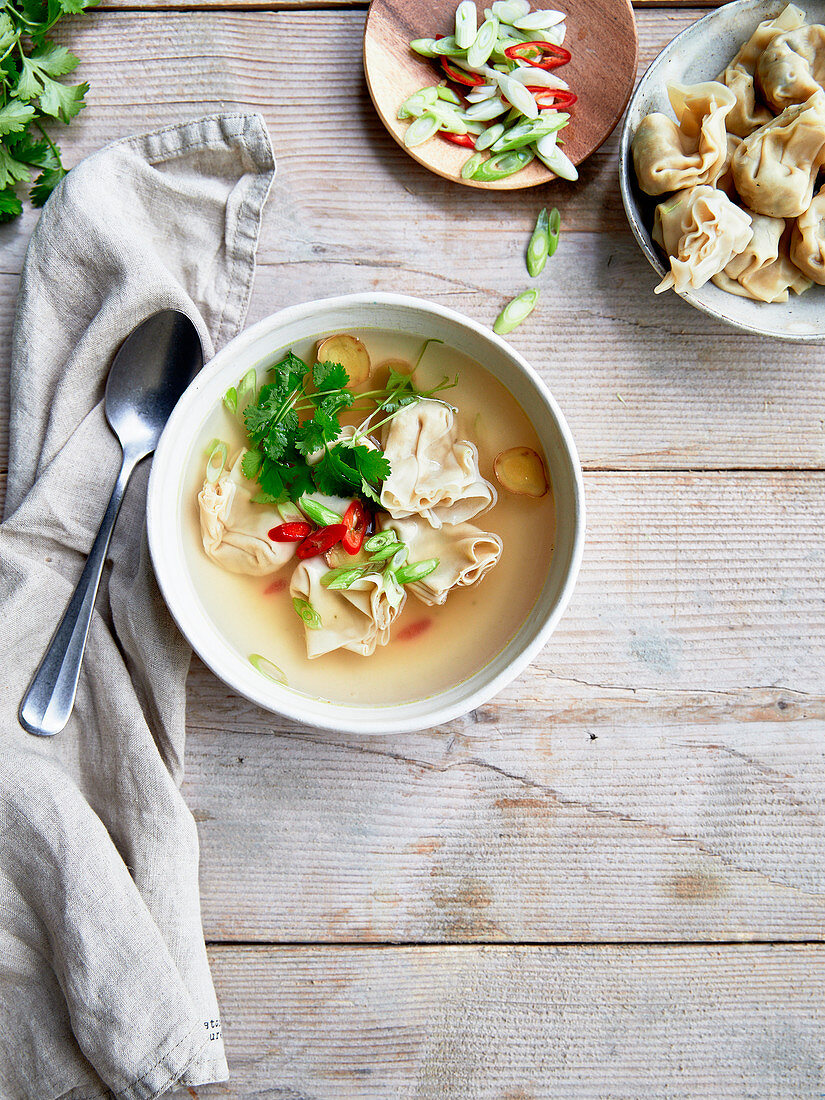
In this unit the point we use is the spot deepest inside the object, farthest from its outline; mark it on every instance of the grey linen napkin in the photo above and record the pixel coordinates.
(105, 987)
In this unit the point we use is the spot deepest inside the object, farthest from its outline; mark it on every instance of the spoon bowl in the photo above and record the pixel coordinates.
(153, 367)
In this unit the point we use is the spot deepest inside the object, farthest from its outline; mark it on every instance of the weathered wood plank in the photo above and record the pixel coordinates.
(520, 1023)
(657, 774)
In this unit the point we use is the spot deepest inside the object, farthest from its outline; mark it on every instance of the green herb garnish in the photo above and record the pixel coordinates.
(297, 415)
(31, 95)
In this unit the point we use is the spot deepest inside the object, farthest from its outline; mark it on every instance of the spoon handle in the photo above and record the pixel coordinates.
(49, 701)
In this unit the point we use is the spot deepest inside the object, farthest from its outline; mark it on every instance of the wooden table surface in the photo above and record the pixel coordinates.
(607, 882)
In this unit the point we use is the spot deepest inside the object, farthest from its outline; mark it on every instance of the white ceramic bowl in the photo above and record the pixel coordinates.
(699, 53)
(388, 312)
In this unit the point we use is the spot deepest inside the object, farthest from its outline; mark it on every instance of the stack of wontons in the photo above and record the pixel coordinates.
(743, 162)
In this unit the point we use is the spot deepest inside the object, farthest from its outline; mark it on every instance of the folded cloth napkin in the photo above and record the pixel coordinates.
(105, 987)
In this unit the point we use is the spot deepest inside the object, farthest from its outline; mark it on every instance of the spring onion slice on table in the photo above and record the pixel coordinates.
(505, 94)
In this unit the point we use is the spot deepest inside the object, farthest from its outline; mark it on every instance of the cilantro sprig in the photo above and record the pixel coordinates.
(32, 95)
(297, 415)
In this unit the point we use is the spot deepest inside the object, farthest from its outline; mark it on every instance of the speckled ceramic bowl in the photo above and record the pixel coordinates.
(699, 53)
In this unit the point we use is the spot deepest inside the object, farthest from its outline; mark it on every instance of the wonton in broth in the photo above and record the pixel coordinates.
(335, 520)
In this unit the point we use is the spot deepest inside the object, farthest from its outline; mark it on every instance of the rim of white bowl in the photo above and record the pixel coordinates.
(699, 27)
(204, 636)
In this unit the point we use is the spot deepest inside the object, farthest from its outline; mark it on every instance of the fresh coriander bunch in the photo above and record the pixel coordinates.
(32, 95)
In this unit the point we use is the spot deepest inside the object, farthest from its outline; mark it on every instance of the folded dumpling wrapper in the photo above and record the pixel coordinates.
(763, 271)
(747, 115)
(775, 168)
(792, 67)
(358, 618)
(465, 554)
(701, 230)
(808, 240)
(235, 530)
(668, 156)
(434, 474)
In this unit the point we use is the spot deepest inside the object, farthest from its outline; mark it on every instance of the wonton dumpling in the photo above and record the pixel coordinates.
(808, 240)
(775, 168)
(434, 475)
(701, 231)
(357, 618)
(235, 531)
(763, 271)
(725, 182)
(669, 157)
(465, 553)
(792, 68)
(747, 115)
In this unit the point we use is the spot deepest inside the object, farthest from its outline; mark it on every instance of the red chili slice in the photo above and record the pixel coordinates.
(560, 98)
(321, 540)
(356, 519)
(467, 140)
(550, 55)
(290, 532)
(460, 76)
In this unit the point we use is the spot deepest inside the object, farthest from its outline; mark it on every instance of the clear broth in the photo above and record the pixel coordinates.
(443, 645)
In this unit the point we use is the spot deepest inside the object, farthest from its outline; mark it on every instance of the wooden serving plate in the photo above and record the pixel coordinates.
(601, 36)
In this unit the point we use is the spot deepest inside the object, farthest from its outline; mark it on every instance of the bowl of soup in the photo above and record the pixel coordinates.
(366, 514)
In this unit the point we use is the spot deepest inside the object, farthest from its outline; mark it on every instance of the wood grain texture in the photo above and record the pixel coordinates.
(520, 1023)
(657, 774)
(646, 382)
(602, 39)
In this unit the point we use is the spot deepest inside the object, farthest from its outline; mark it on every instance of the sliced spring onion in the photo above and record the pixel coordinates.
(318, 513)
(416, 104)
(508, 11)
(525, 133)
(447, 94)
(448, 47)
(538, 78)
(267, 668)
(449, 118)
(516, 311)
(416, 571)
(424, 46)
(344, 577)
(216, 463)
(470, 165)
(539, 247)
(503, 165)
(388, 551)
(487, 109)
(380, 540)
(483, 91)
(539, 20)
(247, 388)
(230, 399)
(466, 24)
(304, 610)
(400, 556)
(289, 512)
(483, 43)
(490, 136)
(555, 159)
(210, 446)
(518, 96)
(421, 130)
(554, 229)
(394, 591)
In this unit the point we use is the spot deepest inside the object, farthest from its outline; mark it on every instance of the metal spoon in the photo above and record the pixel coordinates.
(153, 367)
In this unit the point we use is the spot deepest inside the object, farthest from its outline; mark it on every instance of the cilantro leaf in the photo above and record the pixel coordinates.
(313, 434)
(333, 476)
(15, 117)
(10, 205)
(251, 464)
(271, 482)
(329, 376)
(37, 153)
(372, 465)
(8, 35)
(63, 101)
(75, 7)
(45, 184)
(11, 170)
